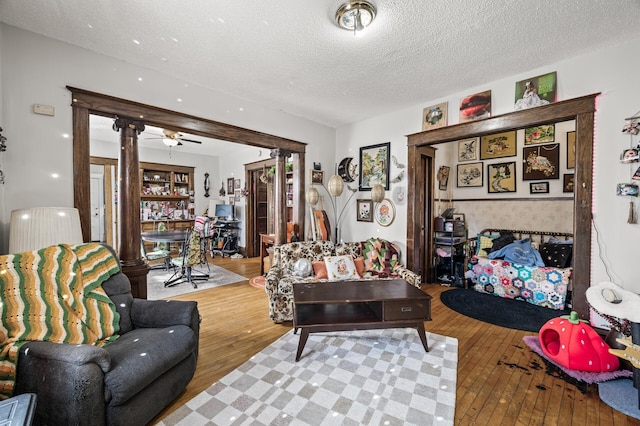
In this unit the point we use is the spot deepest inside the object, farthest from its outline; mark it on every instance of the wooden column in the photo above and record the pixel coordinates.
(280, 219)
(129, 206)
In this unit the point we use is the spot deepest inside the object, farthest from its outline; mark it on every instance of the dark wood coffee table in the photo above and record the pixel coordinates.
(358, 305)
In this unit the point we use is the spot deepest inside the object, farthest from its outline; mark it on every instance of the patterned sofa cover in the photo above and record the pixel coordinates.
(280, 279)
(539, 285)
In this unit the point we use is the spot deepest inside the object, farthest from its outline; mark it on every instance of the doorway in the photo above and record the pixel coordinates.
(97, 204)
(581, 110)
(258, 216)
(86, 103)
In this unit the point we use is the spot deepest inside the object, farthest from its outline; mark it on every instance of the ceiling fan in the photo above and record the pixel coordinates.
(173, 138)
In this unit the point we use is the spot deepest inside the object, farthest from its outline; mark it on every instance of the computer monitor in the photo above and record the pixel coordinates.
(224, 211)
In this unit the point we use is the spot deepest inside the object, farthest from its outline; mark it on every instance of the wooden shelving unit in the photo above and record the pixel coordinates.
(167, 196)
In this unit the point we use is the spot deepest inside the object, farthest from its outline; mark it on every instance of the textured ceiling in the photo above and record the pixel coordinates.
(289, 55)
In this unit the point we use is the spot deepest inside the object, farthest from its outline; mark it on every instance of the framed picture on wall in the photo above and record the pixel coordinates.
(536, 91)
(365, 211)
(468, 149)
(571, 150)
(501, 177)
(316, 177)
(475, 107)
(498, 145)
(230, 186)
(470, 175)
(540, 134)
(237, 184)
(568, 182)
(443, 177)
(232, 200)
(385, 212)
(539, 187)
(374, 166)
(541, 162)
(434, 116)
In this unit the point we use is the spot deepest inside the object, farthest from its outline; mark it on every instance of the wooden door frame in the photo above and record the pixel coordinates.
(85, 103)
(582, 110)
(250, 230)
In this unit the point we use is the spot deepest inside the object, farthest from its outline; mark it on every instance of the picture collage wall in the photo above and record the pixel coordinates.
(499, 163)
(542, 156)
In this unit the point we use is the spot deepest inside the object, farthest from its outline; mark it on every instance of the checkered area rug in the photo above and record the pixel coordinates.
(375, 377)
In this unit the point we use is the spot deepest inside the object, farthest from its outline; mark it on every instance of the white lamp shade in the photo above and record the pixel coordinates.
(335, 186)
(38, 227)
(377, 193)
(312, 196)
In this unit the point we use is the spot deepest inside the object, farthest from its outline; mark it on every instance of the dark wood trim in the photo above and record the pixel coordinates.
(556, 112)
(84, 103)
(110, 106)
(581, 110)
(419, 207)
(462, 200)
(251, 234)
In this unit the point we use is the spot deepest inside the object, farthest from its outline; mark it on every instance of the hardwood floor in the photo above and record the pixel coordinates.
(500, 381)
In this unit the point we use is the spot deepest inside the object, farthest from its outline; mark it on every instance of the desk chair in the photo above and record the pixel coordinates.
(160, 251)
(193, 253)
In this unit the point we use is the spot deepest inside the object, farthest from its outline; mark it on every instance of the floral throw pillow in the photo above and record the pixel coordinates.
(341, 268)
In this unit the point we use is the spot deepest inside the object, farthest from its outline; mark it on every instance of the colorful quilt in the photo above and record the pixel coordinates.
(541, 286)
(54, 294)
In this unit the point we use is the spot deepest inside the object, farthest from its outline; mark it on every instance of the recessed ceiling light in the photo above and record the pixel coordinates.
(65, 135)
(163, 59)
(174, 39)
(221, 20)
(179, 99)
(136, 41)
(139, 78)
(89, 25)
(55, 175)
(241, 109)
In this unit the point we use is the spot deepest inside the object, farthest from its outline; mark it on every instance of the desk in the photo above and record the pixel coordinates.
(183, 274)
(266, 240)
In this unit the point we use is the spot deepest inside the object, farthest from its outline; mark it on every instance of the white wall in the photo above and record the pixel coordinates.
(37, 69)
(613, 72)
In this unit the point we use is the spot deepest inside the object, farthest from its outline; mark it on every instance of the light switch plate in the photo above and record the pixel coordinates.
(44, 109)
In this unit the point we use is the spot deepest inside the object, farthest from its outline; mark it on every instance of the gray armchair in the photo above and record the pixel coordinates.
(127, 382)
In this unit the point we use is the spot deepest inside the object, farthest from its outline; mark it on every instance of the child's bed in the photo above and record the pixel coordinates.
(542, 279)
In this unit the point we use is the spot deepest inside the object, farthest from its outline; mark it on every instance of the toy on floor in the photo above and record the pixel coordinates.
(572, 343)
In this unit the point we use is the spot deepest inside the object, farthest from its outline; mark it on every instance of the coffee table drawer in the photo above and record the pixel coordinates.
(407, 310)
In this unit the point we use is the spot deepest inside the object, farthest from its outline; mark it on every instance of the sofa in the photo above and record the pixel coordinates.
(282, 275)
(529, 266)
(125, 382)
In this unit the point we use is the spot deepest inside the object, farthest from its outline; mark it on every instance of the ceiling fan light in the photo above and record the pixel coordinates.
(169, 141)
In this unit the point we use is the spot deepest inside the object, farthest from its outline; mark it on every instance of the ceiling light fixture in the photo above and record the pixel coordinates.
(355, 15)
(170, 141)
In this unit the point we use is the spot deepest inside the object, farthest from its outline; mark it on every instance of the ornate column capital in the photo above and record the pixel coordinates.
(127, 123)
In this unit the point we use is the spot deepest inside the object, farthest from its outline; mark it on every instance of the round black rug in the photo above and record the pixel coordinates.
(497, 310)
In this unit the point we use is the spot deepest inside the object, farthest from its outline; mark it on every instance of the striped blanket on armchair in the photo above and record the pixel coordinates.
(54, 294)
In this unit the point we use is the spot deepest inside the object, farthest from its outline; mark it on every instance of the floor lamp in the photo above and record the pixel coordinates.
(334, 188)
(39, 227)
